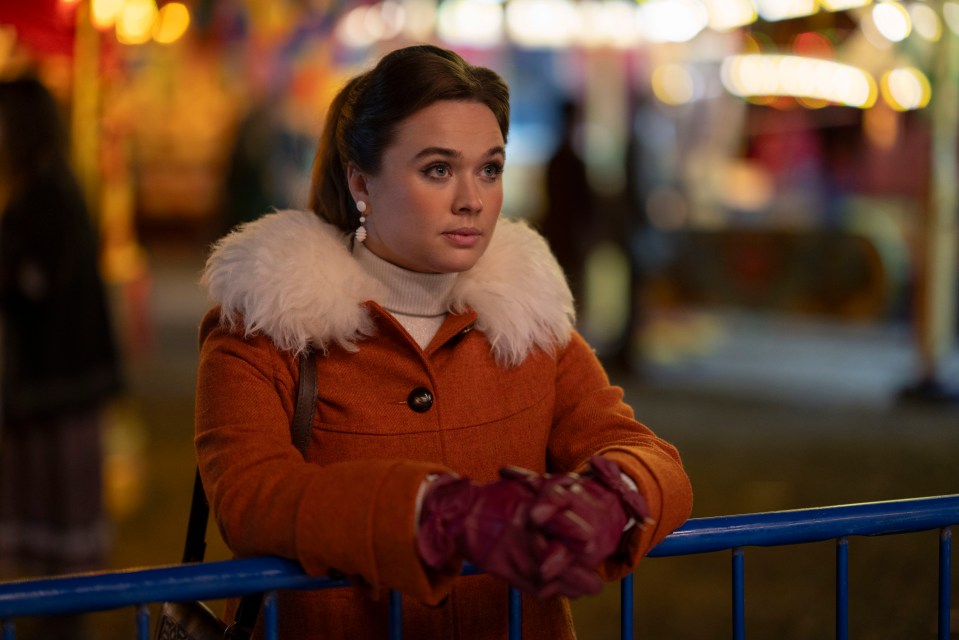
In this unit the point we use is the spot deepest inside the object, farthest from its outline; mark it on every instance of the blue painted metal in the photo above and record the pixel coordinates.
(779, 528)
(396, 615)
(842, 588)
(739, 593)
(231, 578)
(143, 622)
(515, 614)
(271, 616)
(115, 589)
(626, 615)
(945, 581)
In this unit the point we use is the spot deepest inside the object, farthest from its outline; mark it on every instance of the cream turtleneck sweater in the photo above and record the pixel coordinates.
(418, 301)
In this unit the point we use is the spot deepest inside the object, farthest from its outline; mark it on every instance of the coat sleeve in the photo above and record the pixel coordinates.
(356, 517)
(591, 418)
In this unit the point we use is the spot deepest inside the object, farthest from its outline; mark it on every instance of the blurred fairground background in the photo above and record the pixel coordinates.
(766, 232)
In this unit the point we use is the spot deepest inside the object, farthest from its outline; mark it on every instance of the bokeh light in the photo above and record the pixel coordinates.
(675, 84)
(470, 22)
(367, 24)
(724, 15)
(842, 5)
(171, 23)
(814, 45)
(950, 14)
(925, 21)
(134, 23)
(672, 20)
(892, 21)
(905, 89)
(103, 13)
(779, 75)
(775, 10)
(541, 23)
(610, 23)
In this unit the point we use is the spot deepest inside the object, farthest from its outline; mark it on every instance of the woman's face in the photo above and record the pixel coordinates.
(433, 205)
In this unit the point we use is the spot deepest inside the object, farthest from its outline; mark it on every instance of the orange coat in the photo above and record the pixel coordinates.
(350, 506)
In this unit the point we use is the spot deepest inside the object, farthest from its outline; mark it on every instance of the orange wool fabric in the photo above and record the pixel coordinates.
(350, 505)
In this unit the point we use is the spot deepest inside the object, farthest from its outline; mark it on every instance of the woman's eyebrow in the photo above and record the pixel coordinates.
(453, 153)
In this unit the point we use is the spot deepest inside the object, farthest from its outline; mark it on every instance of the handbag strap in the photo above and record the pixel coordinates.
(195, 547)
(302, 425)
(300, 429)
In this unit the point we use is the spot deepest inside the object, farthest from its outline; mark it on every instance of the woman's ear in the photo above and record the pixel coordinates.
(356, 180)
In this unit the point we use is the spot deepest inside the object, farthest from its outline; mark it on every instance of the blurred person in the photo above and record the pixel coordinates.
(459, 415)
(569, 223)
(250, 186)
(59, 361)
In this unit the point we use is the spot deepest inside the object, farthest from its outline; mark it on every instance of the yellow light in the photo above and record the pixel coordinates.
(672, 20)
(774, 10)
(905, 89)
(795, 76)
(470, 22)
(610, 23)
(730, 14)
(171, 23)
(103, 13)
(673, 84)
(812, 103)
(842, 5)
(925, 21)
(420, 20)
(135, 21)
(950, 13)
(352, 30)
(744, 185)
(542, 23)
(892, 20)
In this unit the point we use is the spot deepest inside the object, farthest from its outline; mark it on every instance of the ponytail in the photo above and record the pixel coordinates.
(329, 193)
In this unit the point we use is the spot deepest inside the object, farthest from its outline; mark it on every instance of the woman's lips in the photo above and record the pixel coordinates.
(465, 237)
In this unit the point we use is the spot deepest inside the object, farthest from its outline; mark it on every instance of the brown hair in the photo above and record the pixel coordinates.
(363, 118)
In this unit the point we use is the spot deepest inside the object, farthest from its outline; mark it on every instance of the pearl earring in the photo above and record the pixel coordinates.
(360, 234)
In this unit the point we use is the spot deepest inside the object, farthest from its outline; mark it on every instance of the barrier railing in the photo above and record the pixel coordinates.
(216, 580)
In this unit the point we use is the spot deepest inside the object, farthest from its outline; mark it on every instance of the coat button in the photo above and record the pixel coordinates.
(420, 400)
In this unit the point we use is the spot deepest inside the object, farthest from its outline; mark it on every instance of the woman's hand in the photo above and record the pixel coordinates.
(488, 525)
(584, 517)
(545, 534)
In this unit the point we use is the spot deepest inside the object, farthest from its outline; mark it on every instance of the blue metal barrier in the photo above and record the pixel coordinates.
(216, 580)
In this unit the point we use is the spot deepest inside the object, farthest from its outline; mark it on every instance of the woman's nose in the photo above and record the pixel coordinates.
(468, 198)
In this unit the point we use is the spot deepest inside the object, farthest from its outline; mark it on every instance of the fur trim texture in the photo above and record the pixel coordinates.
(290, 276)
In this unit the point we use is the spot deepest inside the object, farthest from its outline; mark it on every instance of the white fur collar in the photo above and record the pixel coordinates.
(290, 276)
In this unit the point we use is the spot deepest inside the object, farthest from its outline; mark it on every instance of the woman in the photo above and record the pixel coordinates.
(445, 351)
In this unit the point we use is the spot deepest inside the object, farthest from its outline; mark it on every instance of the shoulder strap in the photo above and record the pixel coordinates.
(195, 546)
(302, 425)
(300, 429)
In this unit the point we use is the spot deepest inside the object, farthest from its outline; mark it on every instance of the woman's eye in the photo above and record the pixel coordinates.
(492, 170)
(437, 171)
